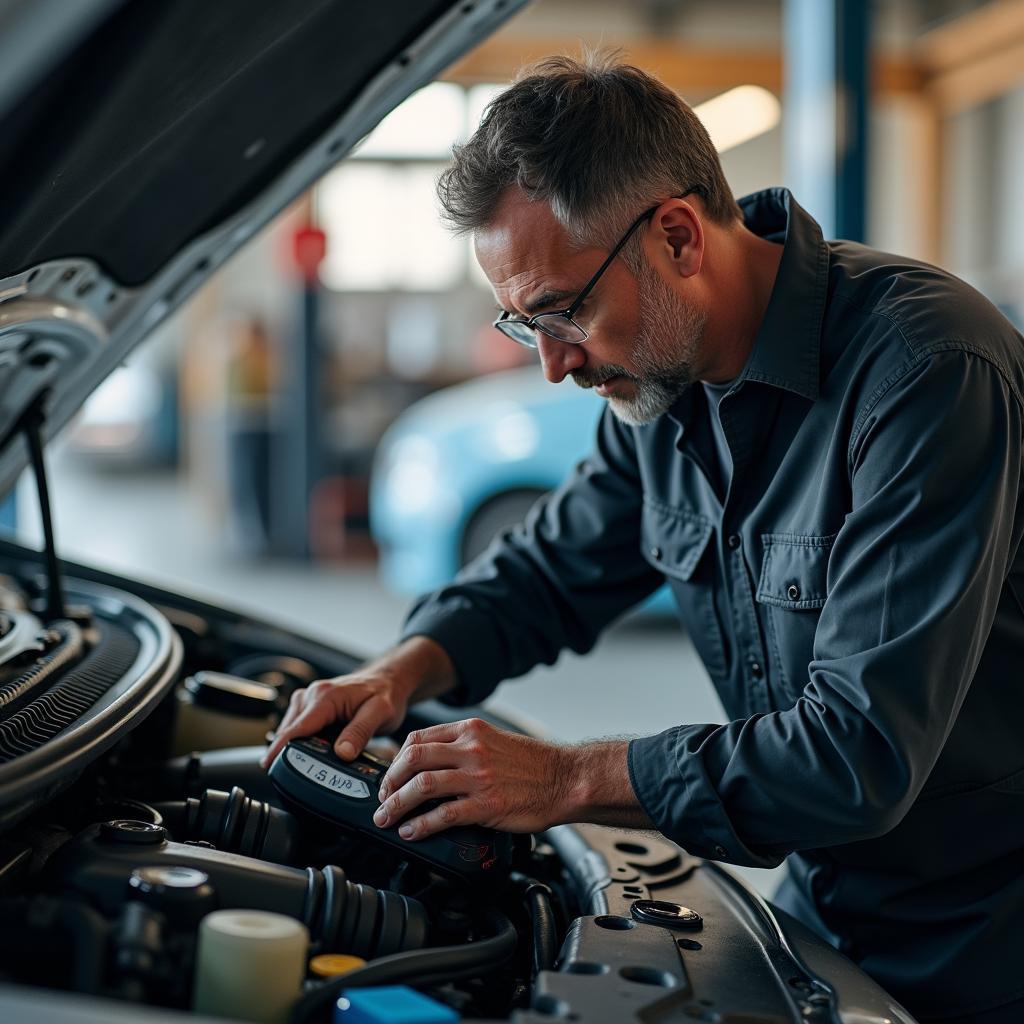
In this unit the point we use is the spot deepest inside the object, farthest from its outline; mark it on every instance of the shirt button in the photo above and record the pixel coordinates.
(755, 670)
(655, 552)
(793, 592)
(734, 541)
(721, 851)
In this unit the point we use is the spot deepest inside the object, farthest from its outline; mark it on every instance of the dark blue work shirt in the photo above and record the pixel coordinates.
(855, 592)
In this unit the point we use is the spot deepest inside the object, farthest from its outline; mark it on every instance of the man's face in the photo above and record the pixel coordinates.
(645, 340)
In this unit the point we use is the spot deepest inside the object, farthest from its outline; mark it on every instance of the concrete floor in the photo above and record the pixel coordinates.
(640, 677)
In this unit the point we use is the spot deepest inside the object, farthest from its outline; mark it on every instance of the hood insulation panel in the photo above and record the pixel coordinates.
(169, 117)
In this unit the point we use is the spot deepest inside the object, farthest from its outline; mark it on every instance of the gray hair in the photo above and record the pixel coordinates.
(599, 140)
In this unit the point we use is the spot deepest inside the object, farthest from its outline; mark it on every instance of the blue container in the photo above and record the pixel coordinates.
(391, 1004)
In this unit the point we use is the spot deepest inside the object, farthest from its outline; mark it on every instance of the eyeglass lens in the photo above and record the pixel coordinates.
(559, 327)
(553, 324)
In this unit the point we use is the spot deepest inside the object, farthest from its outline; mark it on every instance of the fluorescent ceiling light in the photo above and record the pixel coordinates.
(739, 115)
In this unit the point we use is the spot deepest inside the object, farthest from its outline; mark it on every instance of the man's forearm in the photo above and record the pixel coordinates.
(420, 666)
(597, 786)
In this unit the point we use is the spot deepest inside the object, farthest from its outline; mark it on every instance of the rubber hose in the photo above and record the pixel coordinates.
(543, 929)
(417, 967)
(538, 902)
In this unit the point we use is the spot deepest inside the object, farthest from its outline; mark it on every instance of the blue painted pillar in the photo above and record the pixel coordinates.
(9, 512)
(825, 106)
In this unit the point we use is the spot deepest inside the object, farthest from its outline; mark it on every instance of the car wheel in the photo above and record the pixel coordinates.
(495, 515)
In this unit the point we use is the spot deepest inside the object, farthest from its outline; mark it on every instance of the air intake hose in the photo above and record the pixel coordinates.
(341, 916)
(232, 822)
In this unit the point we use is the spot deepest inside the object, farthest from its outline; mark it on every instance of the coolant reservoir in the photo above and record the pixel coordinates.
(250, 965)
(217, 710)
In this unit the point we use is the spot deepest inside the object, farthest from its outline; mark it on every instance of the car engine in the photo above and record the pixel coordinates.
(133, 811)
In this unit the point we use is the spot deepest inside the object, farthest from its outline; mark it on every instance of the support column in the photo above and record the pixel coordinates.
(825, 103)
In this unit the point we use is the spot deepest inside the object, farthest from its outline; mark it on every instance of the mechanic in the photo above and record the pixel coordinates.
(819, 446)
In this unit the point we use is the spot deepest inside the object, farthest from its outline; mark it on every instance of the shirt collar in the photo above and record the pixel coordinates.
(786, 350)
(787, 347)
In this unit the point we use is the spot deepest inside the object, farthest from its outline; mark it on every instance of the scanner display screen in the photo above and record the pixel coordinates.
(326, 776)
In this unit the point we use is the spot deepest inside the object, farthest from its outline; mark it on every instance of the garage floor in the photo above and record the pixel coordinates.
(640, 677)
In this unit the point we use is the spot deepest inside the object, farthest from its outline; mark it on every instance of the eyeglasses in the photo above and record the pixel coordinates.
(560, 325)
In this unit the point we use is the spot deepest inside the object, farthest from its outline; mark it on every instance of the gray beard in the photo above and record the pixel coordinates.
(670, 331)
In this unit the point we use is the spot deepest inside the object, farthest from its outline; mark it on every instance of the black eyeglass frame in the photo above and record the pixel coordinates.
(533, 322)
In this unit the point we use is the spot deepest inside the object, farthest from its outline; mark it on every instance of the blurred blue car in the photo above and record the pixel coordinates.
(467, 462)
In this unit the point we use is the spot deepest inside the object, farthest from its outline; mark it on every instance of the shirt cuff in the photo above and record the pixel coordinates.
(669, 779)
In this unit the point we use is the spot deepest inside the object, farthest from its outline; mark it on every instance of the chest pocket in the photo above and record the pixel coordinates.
(793, 588)
(674, 541)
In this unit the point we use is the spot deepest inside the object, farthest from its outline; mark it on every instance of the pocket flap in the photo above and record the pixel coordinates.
(794, 573)
(673, 539)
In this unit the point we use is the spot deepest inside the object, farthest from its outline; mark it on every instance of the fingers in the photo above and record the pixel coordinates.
(318, 705)
(444, 816)
(444, 732)
(369, 717)
(425, 786)
(312, 712)
(441, 741)
(434, 763)
(294, 709)
(414, 758)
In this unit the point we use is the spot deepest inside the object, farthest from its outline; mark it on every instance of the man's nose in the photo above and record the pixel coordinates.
(559, 357)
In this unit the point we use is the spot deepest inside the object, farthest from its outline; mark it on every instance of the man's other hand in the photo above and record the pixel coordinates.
(486, 776)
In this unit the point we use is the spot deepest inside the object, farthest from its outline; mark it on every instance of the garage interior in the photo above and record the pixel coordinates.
(924, 155)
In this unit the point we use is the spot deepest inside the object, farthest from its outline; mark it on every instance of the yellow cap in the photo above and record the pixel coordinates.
(330, 965)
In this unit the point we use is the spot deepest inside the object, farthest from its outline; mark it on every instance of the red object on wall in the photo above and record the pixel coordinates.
(309, 246)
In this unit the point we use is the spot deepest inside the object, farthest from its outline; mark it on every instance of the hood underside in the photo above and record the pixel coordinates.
(136, 157)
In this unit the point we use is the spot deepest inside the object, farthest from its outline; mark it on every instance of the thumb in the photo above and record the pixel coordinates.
(369, 717)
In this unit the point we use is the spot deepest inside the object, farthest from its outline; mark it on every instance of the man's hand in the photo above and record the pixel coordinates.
(369, 703)
(487, 776)
(372, 700)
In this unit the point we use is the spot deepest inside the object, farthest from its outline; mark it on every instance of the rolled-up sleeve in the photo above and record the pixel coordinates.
(553, 583)
(914, 579)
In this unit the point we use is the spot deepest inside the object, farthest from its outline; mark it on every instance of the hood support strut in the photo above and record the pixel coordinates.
(30, 424)
(55, 589)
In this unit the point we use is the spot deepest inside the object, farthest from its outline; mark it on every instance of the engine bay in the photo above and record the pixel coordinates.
(125, 824)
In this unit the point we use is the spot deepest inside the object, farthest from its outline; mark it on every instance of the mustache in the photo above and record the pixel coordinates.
(601, 376)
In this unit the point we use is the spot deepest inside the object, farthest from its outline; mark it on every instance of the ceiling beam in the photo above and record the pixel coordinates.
(976, 57)
(980, 80)
(967, 61)
(688, 69)
(971, 36)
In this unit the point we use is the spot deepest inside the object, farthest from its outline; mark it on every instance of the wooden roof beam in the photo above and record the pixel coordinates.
(971, 36)
(976, 57)
(684, 67)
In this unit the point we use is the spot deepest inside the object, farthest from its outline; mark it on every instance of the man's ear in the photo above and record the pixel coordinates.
(675, 239)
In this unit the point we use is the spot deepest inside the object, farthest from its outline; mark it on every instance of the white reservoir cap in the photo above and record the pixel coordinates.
(250, 965)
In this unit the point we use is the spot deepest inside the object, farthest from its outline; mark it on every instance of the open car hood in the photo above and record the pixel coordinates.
(141, 144)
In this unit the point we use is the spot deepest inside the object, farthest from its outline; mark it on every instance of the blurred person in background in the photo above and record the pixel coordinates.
(819, 446)
(249, 394)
